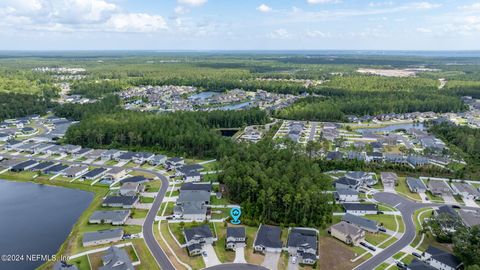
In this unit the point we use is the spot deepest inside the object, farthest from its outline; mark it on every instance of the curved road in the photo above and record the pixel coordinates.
(407, 208)
(152, 244)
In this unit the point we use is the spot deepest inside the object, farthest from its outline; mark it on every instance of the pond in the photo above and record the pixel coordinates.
(36, 219)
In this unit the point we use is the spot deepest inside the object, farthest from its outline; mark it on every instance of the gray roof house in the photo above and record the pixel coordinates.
(466, 190)
(158, 160)
(366, 178)
(346, 195)
(360, 208)
(131, 188)
(268, 239)
(469, 217)
(303, 242)
(388, 178)
(120, 201)
(236, 236)
(95, 154)
(75, 171)
(197, 186)
(440, 259)
(348, 233)
(115, 217)
(135, 179)
(26, 165)
(55, 169)
(347, 183)
(110, 154)
(416, 185)
(196, 237)
(438, 187)
(102, 237)
(142, 157)
(417, 264)
(116, 259)
(366, 224)
(95, 173)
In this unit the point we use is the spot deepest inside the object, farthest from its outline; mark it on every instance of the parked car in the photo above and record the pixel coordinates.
(294, 259)
(382, 229)
(204, 254)
(416, 254)
(456, 206)
(379, 212)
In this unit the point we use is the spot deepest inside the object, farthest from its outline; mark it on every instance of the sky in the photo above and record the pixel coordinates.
(239, 25)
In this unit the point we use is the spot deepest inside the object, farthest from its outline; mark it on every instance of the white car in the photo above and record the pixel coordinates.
(294, 259)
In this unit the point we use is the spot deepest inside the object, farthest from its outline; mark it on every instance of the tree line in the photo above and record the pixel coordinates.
(14, 105)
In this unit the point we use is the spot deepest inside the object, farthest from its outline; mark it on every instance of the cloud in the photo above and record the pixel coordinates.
(425, 5)
(264, 8)
(323, 1)
(280, 34)
(136, 22)
(179, 10)
(74, 15)
(423, 30)
(194, 3)
(473, 7)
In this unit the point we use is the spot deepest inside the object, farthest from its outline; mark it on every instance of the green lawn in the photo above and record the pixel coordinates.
(81, 263)
(146, 200)
(388, 221)
(222, 201)
(376, 238)
(139, 213)
(433, 198)
(153, 186)
(223, 255)
(402, 188)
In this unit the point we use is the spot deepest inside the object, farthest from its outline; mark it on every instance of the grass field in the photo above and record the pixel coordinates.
(388, 221)
(403, 189)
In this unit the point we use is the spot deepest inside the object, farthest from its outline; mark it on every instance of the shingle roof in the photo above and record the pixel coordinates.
(305, 238)
(360, 221)
(236, 232)
(202, 231)
(269, 236)
(197, 186)
(101, 235)
(416, 264)
(116, 259)
(359, 207)
(443, 256)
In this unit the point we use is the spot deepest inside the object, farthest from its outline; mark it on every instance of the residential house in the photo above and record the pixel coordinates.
(24, 166)
(360, 208)
(115, 217)
(365, 178)
(192, 176)
(416, 185)
(42, 166)
(346, 195)
(438, 187)
(196, 237)
(114, 174)
(347, 183)
(95, 154)
(268, 239)
(111, 154)
(95, 173)
(82, 152)
(303, 243)
(376, 157)
(75, 171)
(142, 157)
(236, 237)
(193, 201)
(348, 233)
(126, 202)
(417, 161)
(470, 218)
(364, 223)
(102, 237)
(131, 188)
(389, 179)
(135, 179)
(466, 190)
(440, 259)
(55, 169)
(116, 259)
(6, 137)
(188, 168)
(174, 163)
(62, 265)
(334, 156)
(125, 156)
(158, 160)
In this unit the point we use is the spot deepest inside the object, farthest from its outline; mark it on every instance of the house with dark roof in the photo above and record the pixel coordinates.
(102, 237)
(135, 179)
(158, 160)
(347, 183)
(42, 166)
(197, 186)
(334, 155)
(363, 223)
(465, 190)
(6, 136)
(268, 239)
(174, 163)
(131, 188)
(303, 243)
(346, 195)
(116, 259)
(440, 259)
(416, 185)
(125, 156)
(192, 176)
(439, 188)
(196, 237)
(449, 218)
(365, 178)
(55, 169)
(82, 152)
(470, 218)
(236, 237)
(95, 173)
(417, 264)
(375, 157)
(75, 171)
(114, 217)
(142, 157)
(24, 166)
(126, 202)
(188, 168)
(360, 208)
(110, 154)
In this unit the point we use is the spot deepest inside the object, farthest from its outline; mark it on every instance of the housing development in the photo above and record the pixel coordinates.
(239, 135)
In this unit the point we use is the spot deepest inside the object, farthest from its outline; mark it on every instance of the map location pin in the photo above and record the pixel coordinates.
(235, 214)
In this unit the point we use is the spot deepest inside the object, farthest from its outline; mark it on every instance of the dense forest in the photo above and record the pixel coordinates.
(19, 105)
(180, 133)
(108, 104)
(369, 103)
(279, 186)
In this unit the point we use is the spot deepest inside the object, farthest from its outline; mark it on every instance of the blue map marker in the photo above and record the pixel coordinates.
(235, 214)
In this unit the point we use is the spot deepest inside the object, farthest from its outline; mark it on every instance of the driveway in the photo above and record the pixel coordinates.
(470, 202)
(424, 197)
(389, 188)
(292, 266)
(271, 260)
(211, 259)
(240, 255)
(449, 199)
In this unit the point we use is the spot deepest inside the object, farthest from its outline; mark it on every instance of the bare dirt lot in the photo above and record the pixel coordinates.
(335, 255)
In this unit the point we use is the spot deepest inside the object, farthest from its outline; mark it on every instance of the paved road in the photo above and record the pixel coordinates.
(149, 238)
(407, 208)
(312, 131)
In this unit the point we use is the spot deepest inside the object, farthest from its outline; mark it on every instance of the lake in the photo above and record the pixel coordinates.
(36, 219)
(391, 128)
(237, 106)
(203, 95)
